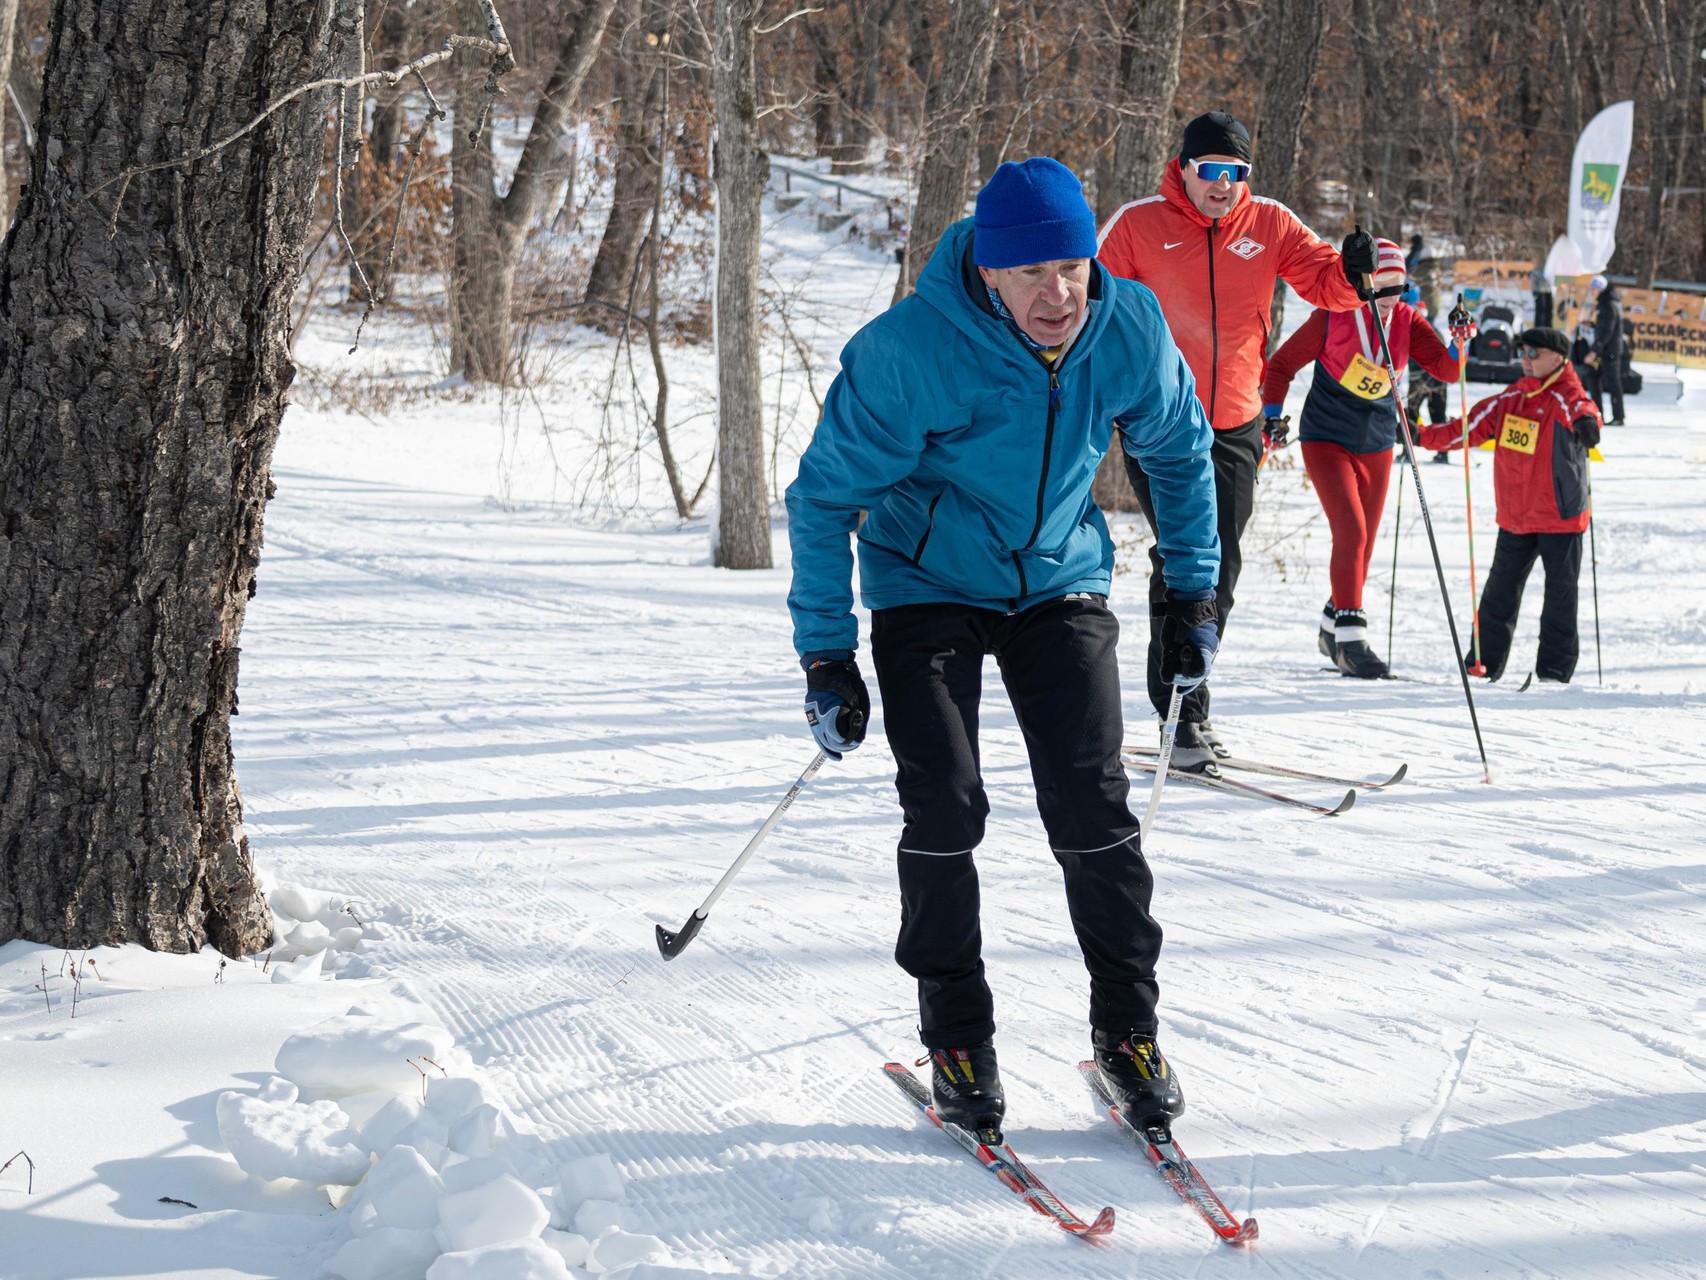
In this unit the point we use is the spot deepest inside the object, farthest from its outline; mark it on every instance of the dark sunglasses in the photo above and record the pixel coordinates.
(1533, 353)
(1215, 170)
(1392, 291)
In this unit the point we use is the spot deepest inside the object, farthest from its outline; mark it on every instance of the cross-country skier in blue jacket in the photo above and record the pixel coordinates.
(967, 423)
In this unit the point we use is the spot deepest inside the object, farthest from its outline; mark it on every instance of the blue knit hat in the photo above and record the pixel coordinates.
(1032, 212)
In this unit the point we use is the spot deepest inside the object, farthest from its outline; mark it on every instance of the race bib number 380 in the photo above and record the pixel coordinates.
(1365, 379)
(1520, 434)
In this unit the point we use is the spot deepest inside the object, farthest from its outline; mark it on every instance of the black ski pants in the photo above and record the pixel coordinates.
(1236, 455)
(1501, 599)
(1058, 663)
(1606, 376)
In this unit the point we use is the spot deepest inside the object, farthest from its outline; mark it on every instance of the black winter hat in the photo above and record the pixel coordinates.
(1546, 340)
(1215, 134)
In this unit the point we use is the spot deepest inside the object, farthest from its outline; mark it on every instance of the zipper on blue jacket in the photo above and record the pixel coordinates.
(929, 525)
(1048, 447)
(1213, 328)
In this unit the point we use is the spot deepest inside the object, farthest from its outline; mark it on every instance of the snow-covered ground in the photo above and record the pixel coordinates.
(1455, 1032)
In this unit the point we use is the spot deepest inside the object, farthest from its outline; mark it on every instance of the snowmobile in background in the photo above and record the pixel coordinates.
(1492, 351)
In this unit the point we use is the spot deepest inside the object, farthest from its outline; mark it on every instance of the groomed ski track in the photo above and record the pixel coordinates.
(1450, 1033)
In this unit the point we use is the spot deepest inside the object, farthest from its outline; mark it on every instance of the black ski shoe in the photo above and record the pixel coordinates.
(967, 1090)
(1138, 1079)
(1324, 640)
(1353, 656)
(1191, 749)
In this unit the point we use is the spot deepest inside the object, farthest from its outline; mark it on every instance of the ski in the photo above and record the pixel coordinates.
(1003, 1162)
(1175, 1167)
(1526, 682)
(1232, 786)
(1285, 771)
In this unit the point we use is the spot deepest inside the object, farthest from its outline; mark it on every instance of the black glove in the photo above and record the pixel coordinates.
(1190, 637)
(1357, 257)
(837, 705)
(1586, 428)
(1276, 431)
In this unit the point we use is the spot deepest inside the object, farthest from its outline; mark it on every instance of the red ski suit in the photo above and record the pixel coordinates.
(1540, 467)
(1215, 281)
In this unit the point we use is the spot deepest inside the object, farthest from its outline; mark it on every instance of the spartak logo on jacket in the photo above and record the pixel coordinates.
(1245, 247)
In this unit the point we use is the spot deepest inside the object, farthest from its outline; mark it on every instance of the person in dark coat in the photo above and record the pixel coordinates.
(1606, 358)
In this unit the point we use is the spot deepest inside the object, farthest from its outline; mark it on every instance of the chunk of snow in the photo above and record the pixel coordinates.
(595, 1217)
(453, 1097)
(464, 1173)
(617, 1249)
(593, 1177)
(481, 1132)
(385, 1254)
(384, 1129)
(495, 1212)
(403, 1190)
(570, 1247)
(303, 969)
(346, 1055)
(310, 936)
(310, 1141)
(278, 1089)
(520, 1260)
(295, 902)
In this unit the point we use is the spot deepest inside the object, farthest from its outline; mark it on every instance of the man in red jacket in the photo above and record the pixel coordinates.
(1544, 423)
(1212, 253)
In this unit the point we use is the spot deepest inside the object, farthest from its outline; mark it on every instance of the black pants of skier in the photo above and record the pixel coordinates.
(1058, 663)
(1236, 455)
(1501, 599)
(1607, 377)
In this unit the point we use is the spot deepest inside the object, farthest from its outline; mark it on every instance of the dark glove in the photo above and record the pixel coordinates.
(1276, 427)
(1586, 428)
(837, 705)
(1190, 636)
(1461, 326)
(1357, 257)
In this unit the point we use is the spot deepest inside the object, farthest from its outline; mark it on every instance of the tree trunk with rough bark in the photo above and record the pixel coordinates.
(1144, 135)
(8, 24)
(488, 231)
(143, 369)
(953, 105)
(742, 169)
(1294, 30)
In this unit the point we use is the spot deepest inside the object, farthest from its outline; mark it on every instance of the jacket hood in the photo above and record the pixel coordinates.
(951, 285)
(1173, 188)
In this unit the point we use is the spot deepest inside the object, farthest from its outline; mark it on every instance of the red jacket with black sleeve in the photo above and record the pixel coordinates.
(1540, 466)
(1215, 281)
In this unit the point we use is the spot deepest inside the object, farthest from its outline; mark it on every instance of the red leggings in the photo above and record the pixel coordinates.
(1352, 489)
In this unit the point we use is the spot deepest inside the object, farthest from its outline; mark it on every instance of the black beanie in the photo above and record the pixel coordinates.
(1546, 340)
(1215, 134)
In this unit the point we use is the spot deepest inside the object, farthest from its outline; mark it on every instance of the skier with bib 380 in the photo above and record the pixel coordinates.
(967, 423)
(1347, 429)
(1212, 253)
(1544, 425)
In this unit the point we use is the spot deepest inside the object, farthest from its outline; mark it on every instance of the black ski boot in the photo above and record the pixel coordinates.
(1191, 749)
(1324, 638)
(967, 1090)
(1138, 1079)
(1353, 656)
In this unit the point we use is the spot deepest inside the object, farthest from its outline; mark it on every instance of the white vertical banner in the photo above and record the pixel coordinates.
(1596, 193)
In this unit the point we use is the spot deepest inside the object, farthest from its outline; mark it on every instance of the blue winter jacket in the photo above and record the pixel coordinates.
(974, 459)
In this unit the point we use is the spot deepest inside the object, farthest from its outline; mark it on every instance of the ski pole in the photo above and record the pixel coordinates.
(1593, 561)
(1462, 330)
(1392, 585)
(1428, 525)
(1162, 763)
(673, 944)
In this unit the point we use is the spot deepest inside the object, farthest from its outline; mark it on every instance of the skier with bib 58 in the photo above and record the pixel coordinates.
(967, 423)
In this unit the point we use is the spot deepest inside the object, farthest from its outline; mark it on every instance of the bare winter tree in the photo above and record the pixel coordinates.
(1144, 132)
(488, 229)
(953, 105)
(143, 367)
(742, 169)
(1293, 29)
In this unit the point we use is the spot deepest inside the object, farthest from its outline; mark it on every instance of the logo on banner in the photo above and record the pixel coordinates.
(1245, 247)
(1599, 184)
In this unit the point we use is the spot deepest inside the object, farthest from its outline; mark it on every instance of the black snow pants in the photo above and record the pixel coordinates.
(1501, 599)
(1236, 455)
(1058, 663)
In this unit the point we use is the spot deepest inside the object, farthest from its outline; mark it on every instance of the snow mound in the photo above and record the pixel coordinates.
(309, 1141)
(496, 1212)
(357, 1053)
(523, 1260)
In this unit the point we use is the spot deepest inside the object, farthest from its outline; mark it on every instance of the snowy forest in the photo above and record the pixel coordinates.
(408, 414)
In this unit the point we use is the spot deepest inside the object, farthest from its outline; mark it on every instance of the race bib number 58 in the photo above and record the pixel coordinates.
(1365, 379)
(1520, 434)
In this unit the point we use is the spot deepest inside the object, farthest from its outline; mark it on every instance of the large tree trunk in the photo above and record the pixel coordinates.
(742, 169)
(1145, 136)
(953, 105)
(615, 267)
(488, 231)
(143, 368)
(1294, 37)
(1372, 203)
